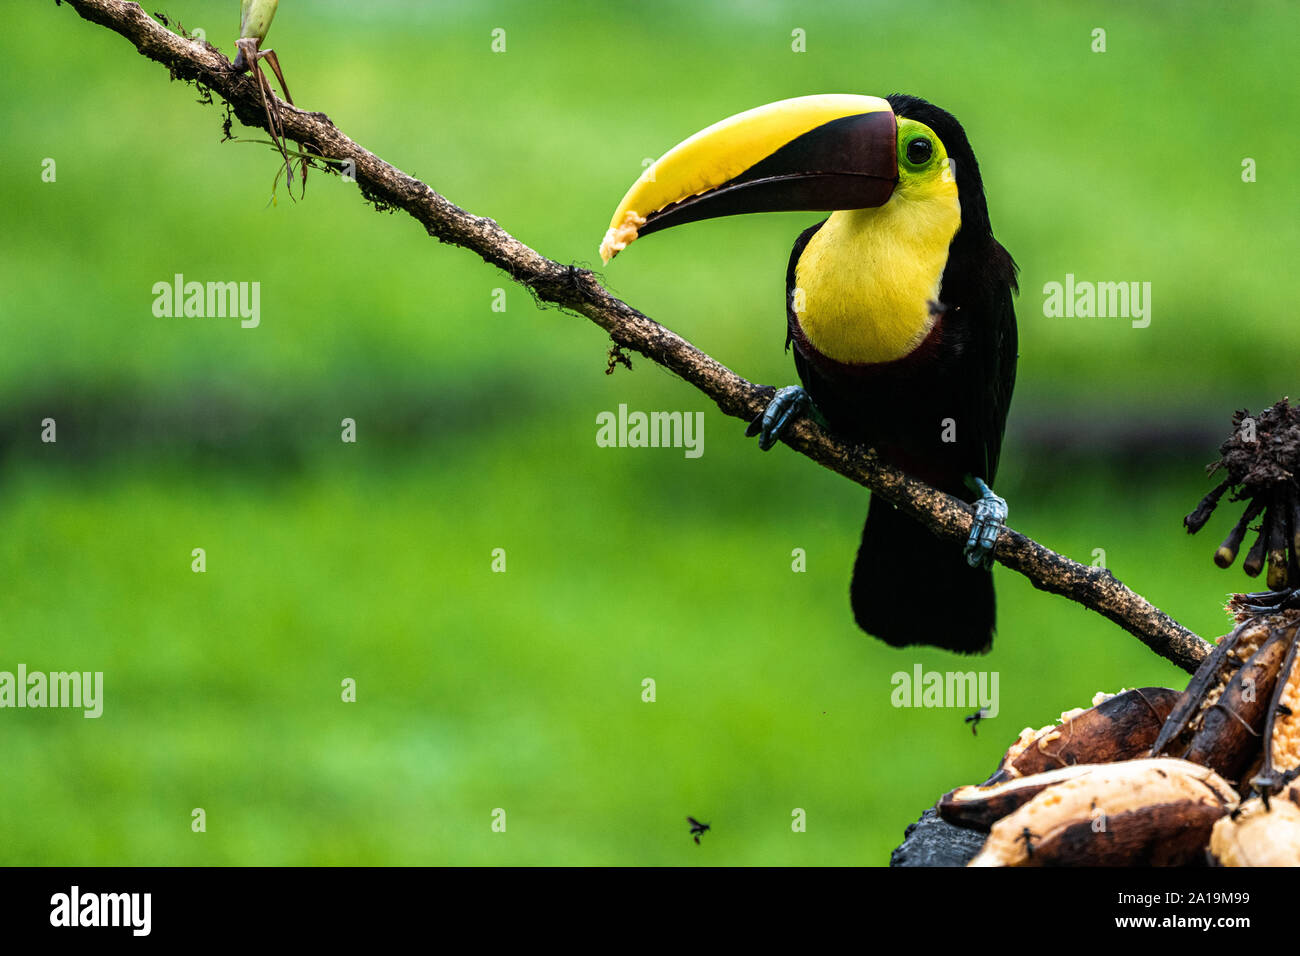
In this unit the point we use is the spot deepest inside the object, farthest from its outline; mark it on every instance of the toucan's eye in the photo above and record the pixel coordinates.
(919, 151)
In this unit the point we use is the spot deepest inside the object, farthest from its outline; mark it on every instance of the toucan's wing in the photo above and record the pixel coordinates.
(998, 348)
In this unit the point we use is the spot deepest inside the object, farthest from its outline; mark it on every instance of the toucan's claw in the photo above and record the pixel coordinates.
(990, 516)
(788, 402)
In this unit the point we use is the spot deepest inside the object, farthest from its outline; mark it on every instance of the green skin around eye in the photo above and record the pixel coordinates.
(910, 130)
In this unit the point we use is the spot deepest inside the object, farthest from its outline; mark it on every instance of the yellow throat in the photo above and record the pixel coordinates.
(865, 281)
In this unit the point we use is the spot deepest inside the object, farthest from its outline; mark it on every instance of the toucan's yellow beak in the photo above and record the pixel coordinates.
(827, 152)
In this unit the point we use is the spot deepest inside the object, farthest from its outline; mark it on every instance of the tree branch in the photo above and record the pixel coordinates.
(578, 290)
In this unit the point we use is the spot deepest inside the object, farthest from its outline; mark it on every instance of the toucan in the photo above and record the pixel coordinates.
(899, 311)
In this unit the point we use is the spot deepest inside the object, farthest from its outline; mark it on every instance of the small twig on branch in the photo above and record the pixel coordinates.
(578, 290)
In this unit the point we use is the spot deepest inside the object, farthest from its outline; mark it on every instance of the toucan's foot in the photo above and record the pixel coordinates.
(990, 516)
(787, 403)
(1266, 602)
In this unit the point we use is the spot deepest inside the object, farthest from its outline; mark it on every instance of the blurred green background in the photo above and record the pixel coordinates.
(476, 429)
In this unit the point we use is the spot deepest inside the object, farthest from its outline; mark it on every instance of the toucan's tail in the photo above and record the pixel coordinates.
(910, 587)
